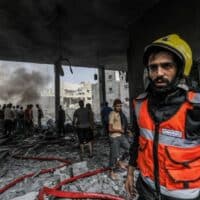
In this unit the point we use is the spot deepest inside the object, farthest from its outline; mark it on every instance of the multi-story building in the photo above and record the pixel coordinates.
(70, 95)
(73, 93)
(112, 86)
(96, 101)
(124, 93)
(116, 87)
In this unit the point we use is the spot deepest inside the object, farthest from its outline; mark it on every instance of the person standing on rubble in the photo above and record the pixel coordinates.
(166, 120)
(17, 116)
(40, 115)
(21, 119)
(61, 121)
(81, 121)
(28, 118)
(9, 118)
(1, 118)
(14, 124)
(92, 127)
(117, 130)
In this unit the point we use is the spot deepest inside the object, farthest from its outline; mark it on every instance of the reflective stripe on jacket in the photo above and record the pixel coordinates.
(178, 158)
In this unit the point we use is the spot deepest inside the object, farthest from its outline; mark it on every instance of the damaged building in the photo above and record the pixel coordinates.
(108, 35)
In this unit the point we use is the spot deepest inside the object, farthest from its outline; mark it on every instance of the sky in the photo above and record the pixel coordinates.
(79, 74)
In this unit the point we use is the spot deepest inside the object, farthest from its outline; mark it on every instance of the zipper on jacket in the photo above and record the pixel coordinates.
(156, 161)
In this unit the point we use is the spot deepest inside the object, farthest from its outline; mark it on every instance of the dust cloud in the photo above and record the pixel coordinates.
(23, 87)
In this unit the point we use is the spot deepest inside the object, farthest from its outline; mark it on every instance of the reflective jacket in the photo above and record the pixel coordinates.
(167, 155)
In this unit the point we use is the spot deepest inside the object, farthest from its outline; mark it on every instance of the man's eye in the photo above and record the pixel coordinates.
(153, 67)
(166, 65)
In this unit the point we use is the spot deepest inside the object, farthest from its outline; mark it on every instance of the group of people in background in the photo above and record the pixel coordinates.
(115, 128)
(114, 123)
(16, 118)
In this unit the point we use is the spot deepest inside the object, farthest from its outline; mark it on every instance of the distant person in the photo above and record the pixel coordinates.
(16, 119)
(9, 118)
(4, 106)
(92, 126)
(91, 115)
(40, 115)
(17, 114)
(28, 118)
(14, 123)
(104, 117)
(117, 130)
(21, 118)
(1, 117)
(61, 121)
(81, 120)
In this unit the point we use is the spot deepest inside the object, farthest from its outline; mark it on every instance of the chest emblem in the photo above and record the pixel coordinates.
(172, 133)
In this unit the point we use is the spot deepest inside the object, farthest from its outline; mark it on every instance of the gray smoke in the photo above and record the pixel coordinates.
(22, 86)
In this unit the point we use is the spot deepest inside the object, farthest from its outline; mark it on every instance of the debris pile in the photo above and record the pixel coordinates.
(34, 147)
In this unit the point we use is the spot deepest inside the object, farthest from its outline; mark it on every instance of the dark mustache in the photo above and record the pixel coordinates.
(161, 79)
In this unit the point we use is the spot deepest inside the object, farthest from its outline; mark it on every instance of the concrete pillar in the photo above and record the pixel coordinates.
(57, 89)
(130, 73)
(102, 86)
(58, 70)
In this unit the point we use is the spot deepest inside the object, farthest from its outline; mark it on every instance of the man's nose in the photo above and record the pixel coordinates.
(160, 71)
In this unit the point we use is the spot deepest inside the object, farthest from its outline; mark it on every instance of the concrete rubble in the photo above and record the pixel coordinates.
(12, 168)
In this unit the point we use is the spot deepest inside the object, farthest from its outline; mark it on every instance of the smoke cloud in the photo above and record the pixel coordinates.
(23, 87)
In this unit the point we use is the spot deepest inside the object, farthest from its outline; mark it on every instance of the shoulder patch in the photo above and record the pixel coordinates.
(193, 97)
(142, 96)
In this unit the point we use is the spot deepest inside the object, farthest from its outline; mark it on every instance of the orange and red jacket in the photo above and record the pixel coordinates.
(177, 157)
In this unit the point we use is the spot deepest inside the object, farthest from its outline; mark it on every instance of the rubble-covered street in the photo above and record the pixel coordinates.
(40, 146)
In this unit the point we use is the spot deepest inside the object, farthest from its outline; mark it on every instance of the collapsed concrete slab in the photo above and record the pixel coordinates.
(100, 183)
(29, 196)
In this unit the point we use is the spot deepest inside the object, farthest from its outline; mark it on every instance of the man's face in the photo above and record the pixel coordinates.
(162, 69)
(81, 104)
(118, 107)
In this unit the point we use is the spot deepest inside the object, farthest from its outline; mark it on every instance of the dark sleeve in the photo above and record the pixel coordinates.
(134, 146)
(193, 123)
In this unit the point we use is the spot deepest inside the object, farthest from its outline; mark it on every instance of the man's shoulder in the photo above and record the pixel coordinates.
(193, 96)
(112, 113)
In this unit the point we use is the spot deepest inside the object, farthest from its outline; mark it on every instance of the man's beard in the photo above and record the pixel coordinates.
(161, 80)
(162, 88)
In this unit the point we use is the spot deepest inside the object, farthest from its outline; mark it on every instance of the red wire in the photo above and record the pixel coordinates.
(43, 171)
(87, 174)
(75, 195)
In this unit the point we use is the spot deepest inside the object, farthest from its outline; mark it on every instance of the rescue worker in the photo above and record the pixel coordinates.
(166, 147)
